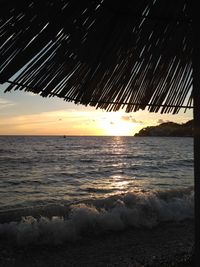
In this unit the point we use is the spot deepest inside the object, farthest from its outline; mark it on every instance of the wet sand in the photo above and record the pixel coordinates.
(170, 244)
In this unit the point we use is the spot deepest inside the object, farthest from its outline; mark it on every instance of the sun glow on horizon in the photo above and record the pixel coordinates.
(25, 114)
(116, 125)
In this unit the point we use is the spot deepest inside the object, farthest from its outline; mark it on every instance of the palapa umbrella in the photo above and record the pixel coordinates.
(110, 54)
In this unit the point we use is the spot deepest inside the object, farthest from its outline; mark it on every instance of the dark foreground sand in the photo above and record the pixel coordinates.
(166, 245)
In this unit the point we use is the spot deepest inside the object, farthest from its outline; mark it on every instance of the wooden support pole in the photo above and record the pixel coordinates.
(197, 175)
(196, 97)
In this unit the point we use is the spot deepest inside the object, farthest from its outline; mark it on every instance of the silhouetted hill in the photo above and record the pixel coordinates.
(168, 129)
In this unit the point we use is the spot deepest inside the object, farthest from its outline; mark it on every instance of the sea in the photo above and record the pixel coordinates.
(53, 189)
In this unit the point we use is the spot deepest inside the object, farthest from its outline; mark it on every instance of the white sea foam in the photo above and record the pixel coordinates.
(136, 209)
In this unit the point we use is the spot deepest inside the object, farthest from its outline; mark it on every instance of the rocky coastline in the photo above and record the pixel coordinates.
(168, 129)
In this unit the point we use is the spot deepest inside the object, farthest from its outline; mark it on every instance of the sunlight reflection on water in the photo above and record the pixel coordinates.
(49, 169)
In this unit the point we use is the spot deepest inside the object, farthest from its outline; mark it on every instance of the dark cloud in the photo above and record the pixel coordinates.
(130, 119)
(126, 118)
(162, 121)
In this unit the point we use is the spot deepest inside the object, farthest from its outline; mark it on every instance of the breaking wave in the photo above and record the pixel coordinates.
(116, 213)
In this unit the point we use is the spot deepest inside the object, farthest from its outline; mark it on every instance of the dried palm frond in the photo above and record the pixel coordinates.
(109, 54)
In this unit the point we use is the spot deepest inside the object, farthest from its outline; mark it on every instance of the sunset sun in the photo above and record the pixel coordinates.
(116, 125)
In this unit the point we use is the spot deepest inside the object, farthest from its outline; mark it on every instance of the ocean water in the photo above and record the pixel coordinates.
(53, 189)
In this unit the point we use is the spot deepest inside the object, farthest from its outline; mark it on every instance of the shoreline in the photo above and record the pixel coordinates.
(168, 244)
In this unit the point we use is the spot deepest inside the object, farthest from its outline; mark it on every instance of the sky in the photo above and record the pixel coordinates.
(23, 113)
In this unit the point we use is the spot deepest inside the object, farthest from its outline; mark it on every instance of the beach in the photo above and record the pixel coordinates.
(168, 244)
(79, 187)
(91, 201)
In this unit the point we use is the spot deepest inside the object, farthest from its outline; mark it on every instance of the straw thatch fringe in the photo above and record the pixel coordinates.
(109, 54)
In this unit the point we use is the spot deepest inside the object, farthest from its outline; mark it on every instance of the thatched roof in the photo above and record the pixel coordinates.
(105, 53)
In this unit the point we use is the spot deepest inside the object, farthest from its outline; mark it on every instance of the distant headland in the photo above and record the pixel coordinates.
(168, 129)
